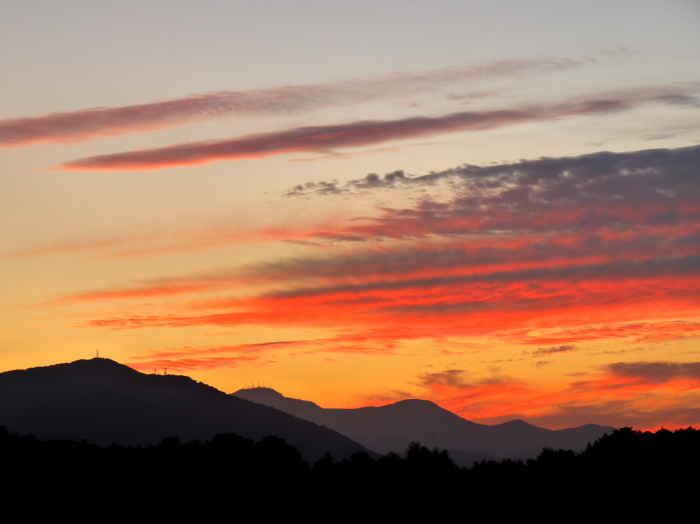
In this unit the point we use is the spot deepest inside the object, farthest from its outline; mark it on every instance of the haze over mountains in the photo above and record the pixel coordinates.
(104, 402)
(393, 427)
(202, 480)
(101, 401)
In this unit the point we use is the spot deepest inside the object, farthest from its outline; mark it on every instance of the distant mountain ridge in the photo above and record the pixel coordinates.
(101, 401)
(393, 427)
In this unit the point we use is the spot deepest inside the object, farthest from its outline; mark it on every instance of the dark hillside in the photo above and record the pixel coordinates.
(625, 474)
(103, 402)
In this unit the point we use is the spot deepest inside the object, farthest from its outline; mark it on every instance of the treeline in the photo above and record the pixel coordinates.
(626, 469)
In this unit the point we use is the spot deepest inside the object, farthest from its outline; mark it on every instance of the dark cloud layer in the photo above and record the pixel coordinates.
(615, 210)
(620, 271)
(563, 177)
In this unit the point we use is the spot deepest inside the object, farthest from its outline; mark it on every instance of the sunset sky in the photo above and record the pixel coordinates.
(491, 205)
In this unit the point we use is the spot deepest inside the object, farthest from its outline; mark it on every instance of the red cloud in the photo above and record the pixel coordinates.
(210, 357)
(645, 395)
(648, 332)
(449, 307)
(184, 365)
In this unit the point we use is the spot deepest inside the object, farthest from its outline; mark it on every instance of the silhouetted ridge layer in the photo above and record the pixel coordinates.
(624, 474)
(102, 401)
(394, 426)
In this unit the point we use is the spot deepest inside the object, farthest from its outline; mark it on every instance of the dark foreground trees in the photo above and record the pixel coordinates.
(627, 471)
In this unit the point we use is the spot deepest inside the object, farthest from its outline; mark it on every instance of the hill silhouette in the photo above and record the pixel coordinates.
(393, 427)
(623, 474)
(104, 402)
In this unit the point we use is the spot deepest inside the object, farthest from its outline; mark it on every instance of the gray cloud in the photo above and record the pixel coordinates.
(371, 181)
(450, 377)
(657, 371)
(456, 378)
(541, 352)
(618, 271)
(556, 180)
(586, 195)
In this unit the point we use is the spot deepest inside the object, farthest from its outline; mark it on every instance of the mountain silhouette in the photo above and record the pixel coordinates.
(104, 402)
(393, 427)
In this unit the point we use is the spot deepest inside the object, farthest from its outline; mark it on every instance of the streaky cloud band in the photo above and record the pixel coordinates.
(321, 139)
(89, 124)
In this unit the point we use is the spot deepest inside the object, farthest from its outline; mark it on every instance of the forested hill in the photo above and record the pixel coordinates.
(102, 401)
(625, 473)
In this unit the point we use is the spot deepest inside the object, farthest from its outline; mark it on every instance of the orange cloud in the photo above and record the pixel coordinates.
(451, 306)
(195, 358)
(645, 395)
(185, 365)
(167, 242)
(647, 332)
(147, 291)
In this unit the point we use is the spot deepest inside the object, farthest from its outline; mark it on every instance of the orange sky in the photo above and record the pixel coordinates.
(497, 213)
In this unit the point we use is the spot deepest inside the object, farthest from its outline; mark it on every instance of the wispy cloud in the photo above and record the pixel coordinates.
(197, 358)
(147, 290)
(544, 352)
(88, 124)
(460, 309)
(324, 139)
(658, 371)
(165, 242)
(604, 173)
(184, 365)
(638, 394)
(450, 377)
(638, 332)
(194, 358)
